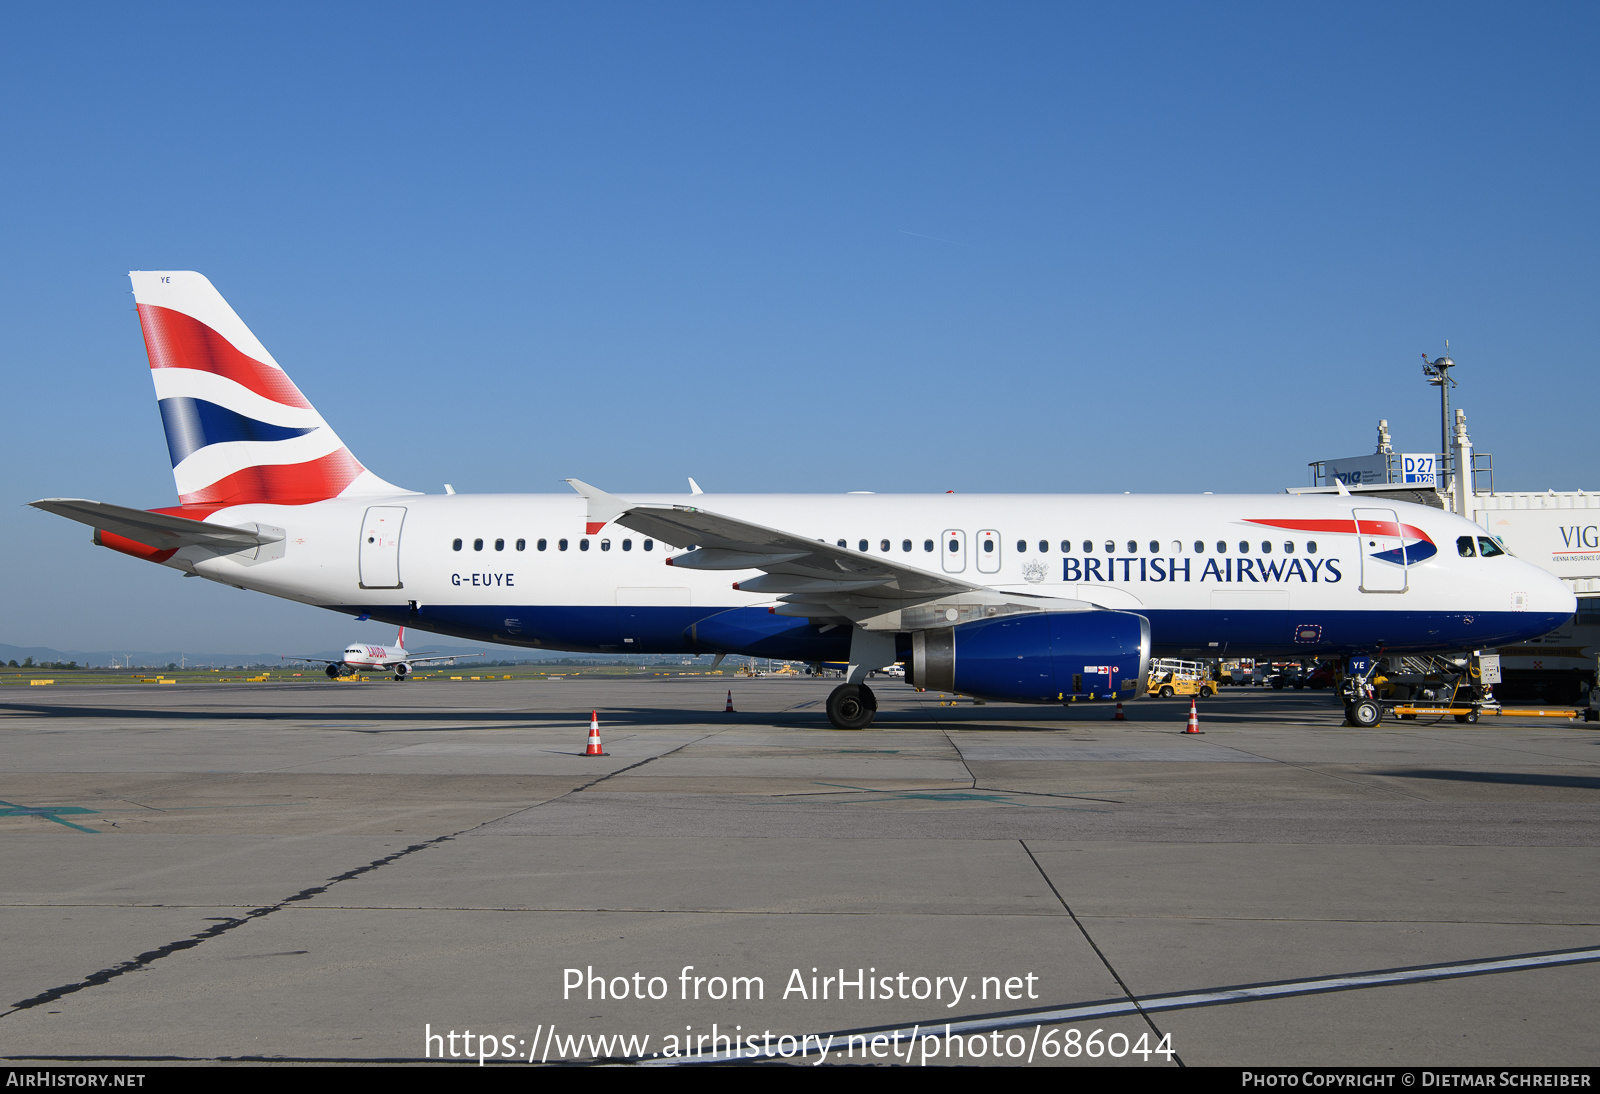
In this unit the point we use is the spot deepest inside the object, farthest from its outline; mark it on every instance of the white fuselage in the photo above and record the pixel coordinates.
(365, 658)
(1216, 574)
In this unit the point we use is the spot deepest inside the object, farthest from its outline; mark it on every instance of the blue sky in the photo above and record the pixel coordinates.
(904, 247)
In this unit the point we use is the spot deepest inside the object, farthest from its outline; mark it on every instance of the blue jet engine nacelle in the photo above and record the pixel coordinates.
(1044, 657)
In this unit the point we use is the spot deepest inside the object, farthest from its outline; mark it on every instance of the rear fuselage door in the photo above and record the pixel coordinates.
(953, 551)
(380, 547)
(1383, 551)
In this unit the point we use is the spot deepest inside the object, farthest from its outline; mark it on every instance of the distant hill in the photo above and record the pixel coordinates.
(193, 659)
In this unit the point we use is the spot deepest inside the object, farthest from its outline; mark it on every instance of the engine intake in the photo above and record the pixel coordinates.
(1048, 657)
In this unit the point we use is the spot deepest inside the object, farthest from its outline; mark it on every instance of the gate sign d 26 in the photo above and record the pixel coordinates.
(1419, 468)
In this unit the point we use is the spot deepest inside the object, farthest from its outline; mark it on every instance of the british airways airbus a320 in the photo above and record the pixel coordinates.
(1020, 598)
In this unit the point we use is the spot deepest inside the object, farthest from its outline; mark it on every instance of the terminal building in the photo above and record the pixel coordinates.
(1558, 530)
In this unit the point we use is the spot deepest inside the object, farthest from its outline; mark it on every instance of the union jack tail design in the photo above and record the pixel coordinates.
(238, 429)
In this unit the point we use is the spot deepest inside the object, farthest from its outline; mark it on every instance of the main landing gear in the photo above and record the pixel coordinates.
(852, 706)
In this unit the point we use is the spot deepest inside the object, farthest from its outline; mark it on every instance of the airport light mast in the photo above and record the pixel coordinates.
(1438, 373)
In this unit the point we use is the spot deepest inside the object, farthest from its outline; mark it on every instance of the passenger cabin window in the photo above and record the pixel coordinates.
(1066, 546)
(1022, 546)
(1488, 548)
(499, 545)
(1288, 546)
(1266, 547)
(583, 545)
(605, 545)
(1464, 547)
(627, 545)
(1088, 547)
(883, 545)
(649, 545)
(1311, 546)
(1244, 547)
(905, 545)
(542, 544)
(1044, 546)
(455, 545)
(1199, 548)
(862, 545)
(1133, 547)
(1222, 547)
(927, 545)
(1111, 547)
(561, 545)
(954, 545)
(477, 545)
(988, 546)
(522, 545)
(1155, 547)
(841, 543)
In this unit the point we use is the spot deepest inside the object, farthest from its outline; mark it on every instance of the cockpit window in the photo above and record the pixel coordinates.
(1488, 548)
(1464, 547)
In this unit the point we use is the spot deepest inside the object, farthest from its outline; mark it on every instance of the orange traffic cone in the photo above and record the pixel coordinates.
(1119, 717)
(594, 736)
(1194, 717)
(729, 708)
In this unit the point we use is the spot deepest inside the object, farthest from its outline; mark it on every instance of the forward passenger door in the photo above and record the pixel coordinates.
(1383, 555)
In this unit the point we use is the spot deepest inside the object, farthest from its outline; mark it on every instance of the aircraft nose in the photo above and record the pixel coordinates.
(1550, 594)
(1545, 599)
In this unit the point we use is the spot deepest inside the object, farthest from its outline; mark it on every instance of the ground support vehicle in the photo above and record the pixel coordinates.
(1173, 677)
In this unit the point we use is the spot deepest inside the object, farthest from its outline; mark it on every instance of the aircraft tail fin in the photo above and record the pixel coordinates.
(400, 639)
(238, 430)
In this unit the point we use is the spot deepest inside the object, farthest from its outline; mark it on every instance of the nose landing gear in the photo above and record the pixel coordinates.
(1364, 713)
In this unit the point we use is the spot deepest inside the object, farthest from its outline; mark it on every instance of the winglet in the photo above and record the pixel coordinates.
(694, 487)
(1339, 485)
(603, 507)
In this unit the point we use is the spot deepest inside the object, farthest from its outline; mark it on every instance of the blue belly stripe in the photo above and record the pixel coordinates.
(757, 632)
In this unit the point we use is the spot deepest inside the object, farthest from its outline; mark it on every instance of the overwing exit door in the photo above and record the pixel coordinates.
(953, 551)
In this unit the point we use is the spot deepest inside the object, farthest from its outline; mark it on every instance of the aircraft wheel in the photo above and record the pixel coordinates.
(1167, 692)
(1365, 713)
(851, 706)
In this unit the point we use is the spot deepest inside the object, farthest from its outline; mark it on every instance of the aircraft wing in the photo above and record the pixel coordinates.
(158, 530)
(442, 657)
(319, 660)
(812, 578)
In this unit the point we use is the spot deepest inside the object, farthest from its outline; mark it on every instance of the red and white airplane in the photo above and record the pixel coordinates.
(396, 659)
(1020, 598)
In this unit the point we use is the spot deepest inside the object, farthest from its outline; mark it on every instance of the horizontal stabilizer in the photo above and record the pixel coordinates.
(159, 530)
